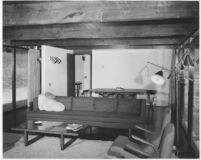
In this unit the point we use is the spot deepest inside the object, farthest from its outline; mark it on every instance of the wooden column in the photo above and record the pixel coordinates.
(91, 72)
(14, 81)
(190, 104)
(34, 80)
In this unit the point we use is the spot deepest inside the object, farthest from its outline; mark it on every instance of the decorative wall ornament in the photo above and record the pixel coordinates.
(55, 60)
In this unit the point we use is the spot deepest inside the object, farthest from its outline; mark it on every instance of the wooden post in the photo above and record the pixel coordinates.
(190, 105)
(177, 110)
(34, 79)
(14, 81)
(91, 72)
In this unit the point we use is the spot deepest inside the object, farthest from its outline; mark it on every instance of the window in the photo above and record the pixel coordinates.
(21, 74)
(190, 114)
(195, 130)
(7, 75)
(21, 77)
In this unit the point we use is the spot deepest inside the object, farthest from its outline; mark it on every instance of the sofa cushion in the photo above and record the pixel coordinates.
(129, 106)
(82, 103)
(105, 104)
(67, 101)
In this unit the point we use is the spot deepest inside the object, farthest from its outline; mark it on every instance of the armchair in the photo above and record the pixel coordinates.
(151, 142)
(153, 137)
(128, 150)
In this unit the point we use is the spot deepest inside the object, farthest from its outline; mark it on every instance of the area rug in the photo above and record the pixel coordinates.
(49, 147)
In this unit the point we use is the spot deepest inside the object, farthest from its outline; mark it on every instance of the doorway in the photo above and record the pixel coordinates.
(83, 72)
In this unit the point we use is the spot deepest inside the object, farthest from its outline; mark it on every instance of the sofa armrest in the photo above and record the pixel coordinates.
(143, 129)
(143, 141)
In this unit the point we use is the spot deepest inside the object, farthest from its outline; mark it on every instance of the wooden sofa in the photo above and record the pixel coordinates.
(100, 112)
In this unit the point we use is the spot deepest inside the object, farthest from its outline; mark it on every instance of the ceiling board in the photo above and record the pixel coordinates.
(96, 24)
(40, 13)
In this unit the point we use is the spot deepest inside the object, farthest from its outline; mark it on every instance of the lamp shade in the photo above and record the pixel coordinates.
(182, 67)
(158, 78)
(188, 61)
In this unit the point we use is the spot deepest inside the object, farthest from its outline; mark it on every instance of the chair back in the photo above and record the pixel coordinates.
(166, 119)
(156, 137)
(167, 141)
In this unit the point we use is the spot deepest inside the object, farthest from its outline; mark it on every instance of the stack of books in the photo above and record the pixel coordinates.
(74, 127)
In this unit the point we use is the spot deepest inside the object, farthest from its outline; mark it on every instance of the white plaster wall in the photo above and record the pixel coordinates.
(126, 69)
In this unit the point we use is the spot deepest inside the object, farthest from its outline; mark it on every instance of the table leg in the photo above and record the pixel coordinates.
(68, 143)
(25, 137)
(62, 141)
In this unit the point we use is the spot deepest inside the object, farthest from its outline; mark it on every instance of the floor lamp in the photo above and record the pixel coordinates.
(159, 79)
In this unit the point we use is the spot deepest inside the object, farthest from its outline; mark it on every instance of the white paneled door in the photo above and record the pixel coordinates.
(54, 70)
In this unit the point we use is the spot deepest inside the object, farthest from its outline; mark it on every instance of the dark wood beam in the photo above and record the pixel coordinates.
(189, 39)
(16, 47)
(39, 13)
(95, 30)
(82, 52)
(151, 46)
(101, 41)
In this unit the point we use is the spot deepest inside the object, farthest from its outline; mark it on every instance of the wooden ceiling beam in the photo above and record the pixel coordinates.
(94, 30)
(161, 46)
(101, 41)
(41, 13)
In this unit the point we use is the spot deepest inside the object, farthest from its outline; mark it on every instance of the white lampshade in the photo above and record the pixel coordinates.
(158, 78)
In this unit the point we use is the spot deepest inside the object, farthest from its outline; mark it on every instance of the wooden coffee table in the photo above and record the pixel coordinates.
(48, 127)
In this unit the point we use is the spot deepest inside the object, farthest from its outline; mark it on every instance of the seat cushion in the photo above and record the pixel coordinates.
(82, 103)
(105, 104)
(66, 101)
(120, 144)
(121, 141)
(129, 106)
(117, 148)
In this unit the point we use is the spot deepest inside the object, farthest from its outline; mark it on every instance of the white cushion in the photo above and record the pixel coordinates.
(48, 103)
(41, 101)
(58, 107)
